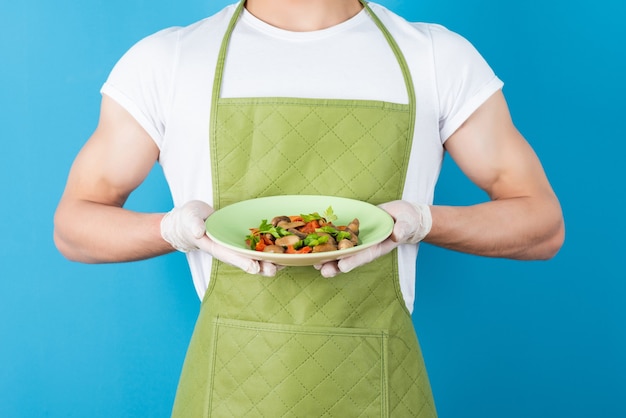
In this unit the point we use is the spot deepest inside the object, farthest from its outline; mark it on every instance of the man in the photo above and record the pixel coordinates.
(337, 78)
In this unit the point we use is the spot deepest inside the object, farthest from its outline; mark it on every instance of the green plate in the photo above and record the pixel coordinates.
(230, 225)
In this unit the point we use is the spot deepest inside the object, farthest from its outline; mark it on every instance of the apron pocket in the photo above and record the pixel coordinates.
(277, 370)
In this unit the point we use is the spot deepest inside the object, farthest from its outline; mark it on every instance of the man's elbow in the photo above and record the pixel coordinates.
(63, 247)
(62, 241)
(552, 242)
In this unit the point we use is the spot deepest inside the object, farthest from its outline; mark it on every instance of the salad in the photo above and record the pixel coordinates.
(302, 234)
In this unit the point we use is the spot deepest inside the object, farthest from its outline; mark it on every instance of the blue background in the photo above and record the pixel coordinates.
(500, 338)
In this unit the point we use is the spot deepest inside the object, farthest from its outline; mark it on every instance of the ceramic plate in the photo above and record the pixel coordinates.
(230, 225)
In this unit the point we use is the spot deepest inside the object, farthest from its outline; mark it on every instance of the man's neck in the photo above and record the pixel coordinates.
(304, 15)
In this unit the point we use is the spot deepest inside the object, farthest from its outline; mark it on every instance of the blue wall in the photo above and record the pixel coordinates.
(500, 338)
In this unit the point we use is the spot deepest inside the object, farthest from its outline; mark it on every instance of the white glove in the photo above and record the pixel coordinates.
(183, 228)
(412, 222)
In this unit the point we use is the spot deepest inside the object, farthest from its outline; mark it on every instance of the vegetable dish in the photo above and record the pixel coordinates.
(302, 234)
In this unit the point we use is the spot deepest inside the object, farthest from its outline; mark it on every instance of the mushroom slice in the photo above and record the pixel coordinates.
(322, 248)
(354, 238)
(273, 249)
(294, 231)
(279, 219)
(287, 240)
(344, 244)
(354, 226)
(289, 225)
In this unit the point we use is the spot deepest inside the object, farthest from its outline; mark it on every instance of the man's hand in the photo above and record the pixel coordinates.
(183, 228)
(412, 223)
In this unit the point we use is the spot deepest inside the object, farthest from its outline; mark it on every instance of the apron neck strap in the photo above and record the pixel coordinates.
(406, 73)
(408, 80)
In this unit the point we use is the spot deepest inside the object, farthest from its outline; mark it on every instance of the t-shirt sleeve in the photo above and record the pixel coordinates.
(464, 79)
(141, 81)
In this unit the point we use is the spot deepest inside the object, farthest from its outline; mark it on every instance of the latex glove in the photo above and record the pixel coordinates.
(412, 222)
(183, 228)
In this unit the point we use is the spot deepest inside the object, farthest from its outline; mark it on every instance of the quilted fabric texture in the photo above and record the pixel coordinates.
(354, 149)
(339, 372)
(301, 345)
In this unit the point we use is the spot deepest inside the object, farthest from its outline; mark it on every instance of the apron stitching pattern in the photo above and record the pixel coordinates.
(330, 130)
(329, 103)
(311, 355)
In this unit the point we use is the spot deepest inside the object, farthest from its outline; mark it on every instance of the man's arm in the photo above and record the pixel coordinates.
(523, 219)
(90, 224)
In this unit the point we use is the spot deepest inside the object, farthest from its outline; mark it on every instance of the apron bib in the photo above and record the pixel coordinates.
(297, 344)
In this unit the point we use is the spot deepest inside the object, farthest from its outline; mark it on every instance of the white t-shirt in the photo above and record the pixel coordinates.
(165, 81)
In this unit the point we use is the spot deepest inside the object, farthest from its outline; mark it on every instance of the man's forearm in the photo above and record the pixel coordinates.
(91, 232)
(521, 228)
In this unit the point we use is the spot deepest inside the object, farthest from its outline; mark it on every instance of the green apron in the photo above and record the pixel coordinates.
(297, 344)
